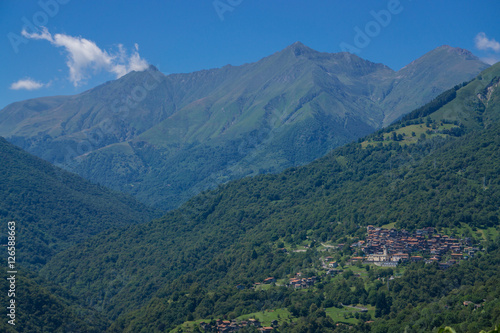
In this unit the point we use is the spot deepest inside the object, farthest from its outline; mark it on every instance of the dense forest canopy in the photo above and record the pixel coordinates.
(55, 209)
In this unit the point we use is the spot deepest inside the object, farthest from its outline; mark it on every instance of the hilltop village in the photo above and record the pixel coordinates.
(381, 247)
(389, 247)
(234, 325)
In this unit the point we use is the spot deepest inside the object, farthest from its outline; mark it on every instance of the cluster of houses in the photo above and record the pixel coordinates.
(233, 326)
(297, 282)
(388, 247)
(268, 280)
(300, 283)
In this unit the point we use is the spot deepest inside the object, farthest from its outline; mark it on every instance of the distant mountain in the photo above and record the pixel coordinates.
(165, 138)
(425, 170)
(424, 78)
(54, 209)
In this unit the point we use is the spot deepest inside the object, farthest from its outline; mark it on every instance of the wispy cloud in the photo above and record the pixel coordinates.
(84, 55)
(489, 46)
(491, 60)
(125, 64)
(484, 43)
(27, 84)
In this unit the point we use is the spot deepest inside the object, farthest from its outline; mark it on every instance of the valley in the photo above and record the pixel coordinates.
(304, 192)
(235, 235)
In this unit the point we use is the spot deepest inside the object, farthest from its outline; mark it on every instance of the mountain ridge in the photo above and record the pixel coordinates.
(284, 110)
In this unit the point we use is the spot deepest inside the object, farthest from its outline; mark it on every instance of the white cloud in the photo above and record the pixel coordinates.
(28, 84)
(84, 55)
(484, 43)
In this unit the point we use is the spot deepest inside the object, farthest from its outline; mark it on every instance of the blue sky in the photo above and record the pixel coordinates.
(60, 47)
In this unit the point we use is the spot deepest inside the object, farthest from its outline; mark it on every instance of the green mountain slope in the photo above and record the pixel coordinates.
(54, 209)
(230, 236)
(474, 106)
(164, 138)
(422, 299)
(42, 307)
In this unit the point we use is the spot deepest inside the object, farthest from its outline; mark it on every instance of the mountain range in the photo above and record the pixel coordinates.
(164, 138)
(91, 259)
(436, 167)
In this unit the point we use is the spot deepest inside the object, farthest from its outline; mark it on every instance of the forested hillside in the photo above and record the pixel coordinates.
(445, 177)
(421, 299)
(44, 307)
(54, 209)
